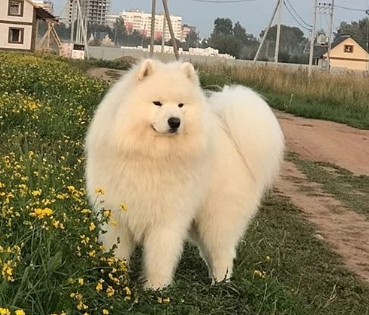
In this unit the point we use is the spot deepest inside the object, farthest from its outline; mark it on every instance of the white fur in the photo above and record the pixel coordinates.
(204, 182)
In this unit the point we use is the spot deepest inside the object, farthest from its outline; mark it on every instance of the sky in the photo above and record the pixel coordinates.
(254, 15)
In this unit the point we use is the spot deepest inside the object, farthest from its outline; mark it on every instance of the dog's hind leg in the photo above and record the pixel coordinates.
(220, 226)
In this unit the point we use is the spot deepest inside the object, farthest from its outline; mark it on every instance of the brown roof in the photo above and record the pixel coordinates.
(319, 51)
(41, 13)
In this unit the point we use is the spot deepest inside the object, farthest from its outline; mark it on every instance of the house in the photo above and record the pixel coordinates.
(345, 53)
(18, 24)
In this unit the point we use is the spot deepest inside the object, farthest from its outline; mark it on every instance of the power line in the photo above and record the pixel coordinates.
(221, 2)
(294, 10)
(297, 21)
(350, 9)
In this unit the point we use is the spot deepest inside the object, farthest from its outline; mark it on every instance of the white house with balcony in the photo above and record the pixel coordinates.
(18, 24)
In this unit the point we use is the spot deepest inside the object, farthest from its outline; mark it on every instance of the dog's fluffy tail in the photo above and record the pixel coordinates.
(253, 127)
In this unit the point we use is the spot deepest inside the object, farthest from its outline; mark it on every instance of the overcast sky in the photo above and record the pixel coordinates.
(254, 15)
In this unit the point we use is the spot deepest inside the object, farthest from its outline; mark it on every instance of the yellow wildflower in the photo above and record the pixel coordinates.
(7, 272)
(123, 207)
(80, 281)
(110, 291)
(259, 273)
(99, 287)
(100, 191)
(92, 226)
(105, 311)
(41, 213)
(36, 193)
(128, 291)
(4, 311)
(20, 312)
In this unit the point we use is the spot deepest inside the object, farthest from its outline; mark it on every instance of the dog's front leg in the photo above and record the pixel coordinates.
(163, 247)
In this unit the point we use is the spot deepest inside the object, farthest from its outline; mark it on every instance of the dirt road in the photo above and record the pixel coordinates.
(327, 141)
(345, 230)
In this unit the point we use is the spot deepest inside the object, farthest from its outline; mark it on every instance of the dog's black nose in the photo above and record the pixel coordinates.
(174, 123)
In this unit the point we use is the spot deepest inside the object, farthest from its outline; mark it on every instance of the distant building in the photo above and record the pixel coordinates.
(46, 5)
(136, 20)
(111, 19)
(345, 53)
(186, 29)
(95, 11)
(18, 24)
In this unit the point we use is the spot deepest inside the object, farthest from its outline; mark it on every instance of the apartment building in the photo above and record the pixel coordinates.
(95, 11)
(136, 20)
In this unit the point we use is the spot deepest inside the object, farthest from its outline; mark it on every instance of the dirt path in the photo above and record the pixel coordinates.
(327, 141)
(344, 229)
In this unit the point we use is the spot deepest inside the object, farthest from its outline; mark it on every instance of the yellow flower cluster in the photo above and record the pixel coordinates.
(44, 107)
(6, 311)
(41, 213)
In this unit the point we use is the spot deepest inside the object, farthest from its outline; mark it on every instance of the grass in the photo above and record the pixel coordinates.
(337, 97)
(52, 263)
(352, 190)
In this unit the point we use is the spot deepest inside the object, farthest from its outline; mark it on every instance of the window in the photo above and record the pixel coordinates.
(349, 49)
(15, 8)
(16, 35)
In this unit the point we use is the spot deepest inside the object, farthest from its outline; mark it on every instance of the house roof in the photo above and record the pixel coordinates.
(319, 51)
(42, 13)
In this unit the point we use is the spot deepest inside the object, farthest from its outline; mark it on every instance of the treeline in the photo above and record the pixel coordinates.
(229, 38)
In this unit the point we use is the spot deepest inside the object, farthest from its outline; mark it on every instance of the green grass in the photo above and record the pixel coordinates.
(302, 276)
(296, 95)
(352, 190)
(51, 261)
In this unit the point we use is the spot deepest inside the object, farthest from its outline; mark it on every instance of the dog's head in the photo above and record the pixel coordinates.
(159, 104)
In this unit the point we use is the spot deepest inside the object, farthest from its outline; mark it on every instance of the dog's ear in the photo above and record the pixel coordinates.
(147, 68)
(189, 71)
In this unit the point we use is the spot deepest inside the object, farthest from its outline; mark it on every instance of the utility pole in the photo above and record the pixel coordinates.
(163, 33)
(312, 39)
(330, 36)
(266, 33)
(278, 31)
(72, 18)
(174, 42)
(152, 28)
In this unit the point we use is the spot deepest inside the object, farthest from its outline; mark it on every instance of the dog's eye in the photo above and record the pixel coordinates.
(180, 105)
(157, 103)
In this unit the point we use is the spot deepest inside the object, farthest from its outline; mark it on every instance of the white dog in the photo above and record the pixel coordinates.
(186, 166)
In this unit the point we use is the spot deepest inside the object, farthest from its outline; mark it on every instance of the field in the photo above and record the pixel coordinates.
(52, 263)
(341, 97)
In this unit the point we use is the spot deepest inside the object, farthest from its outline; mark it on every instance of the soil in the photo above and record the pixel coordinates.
(318, 140)
(347, 147)
(327, 141)
(345, 230)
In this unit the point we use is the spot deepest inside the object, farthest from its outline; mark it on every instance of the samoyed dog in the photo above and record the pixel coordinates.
(188, 166)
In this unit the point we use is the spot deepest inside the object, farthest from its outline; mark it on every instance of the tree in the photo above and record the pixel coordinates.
(231, 40)
(99, 32)
(292, 42)
(358, 30)
(223, 26)
(204, 43)
(192, 39)
(120, 32)
(239, 32)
